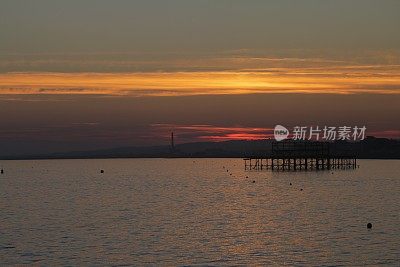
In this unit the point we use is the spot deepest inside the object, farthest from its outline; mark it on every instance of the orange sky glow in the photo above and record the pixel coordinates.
(338, 80)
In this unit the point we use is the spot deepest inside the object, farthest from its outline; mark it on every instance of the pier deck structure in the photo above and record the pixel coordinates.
(290, 155)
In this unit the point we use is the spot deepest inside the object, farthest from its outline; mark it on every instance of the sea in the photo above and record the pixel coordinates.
(197, 212)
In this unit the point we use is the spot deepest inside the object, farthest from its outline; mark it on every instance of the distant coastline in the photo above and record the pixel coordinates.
(370, 148)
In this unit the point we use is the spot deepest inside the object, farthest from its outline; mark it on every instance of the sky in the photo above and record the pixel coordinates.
(92, 74)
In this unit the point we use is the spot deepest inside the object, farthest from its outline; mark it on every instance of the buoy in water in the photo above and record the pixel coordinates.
(102, 171)
(254, 181)
(369, 225)
(290, 183)
(301, 189)
(1, 171)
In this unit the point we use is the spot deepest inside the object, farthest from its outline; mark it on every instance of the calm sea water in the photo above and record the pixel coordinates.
(193, 212)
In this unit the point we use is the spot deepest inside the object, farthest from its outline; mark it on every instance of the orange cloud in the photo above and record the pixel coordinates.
(333, 80)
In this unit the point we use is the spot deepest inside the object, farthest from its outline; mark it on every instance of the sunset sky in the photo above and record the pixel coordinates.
(91, 74)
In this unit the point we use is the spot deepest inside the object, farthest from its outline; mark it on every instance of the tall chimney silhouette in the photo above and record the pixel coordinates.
(172, 142)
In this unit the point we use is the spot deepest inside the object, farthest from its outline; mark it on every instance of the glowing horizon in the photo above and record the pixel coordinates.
(215, 133)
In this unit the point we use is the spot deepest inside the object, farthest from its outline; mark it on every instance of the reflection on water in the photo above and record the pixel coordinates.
(187, 212)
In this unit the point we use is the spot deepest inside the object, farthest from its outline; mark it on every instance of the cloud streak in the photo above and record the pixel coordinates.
(195, 132)
(331, 80)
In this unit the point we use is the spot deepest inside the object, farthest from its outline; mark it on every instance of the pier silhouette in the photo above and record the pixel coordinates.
(291, 155)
